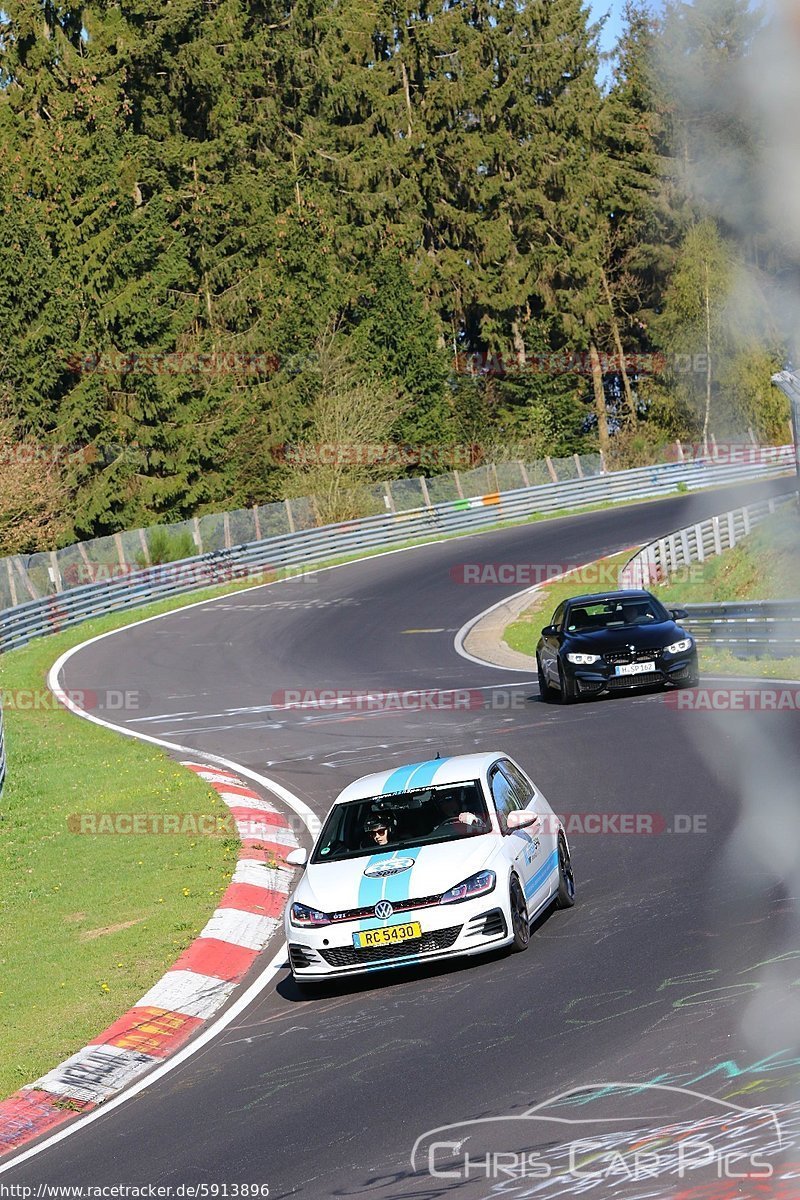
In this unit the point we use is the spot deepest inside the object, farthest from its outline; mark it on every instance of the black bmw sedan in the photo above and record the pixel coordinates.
(613, 641)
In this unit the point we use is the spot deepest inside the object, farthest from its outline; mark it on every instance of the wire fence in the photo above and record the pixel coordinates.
(31, 577)
(272, 557)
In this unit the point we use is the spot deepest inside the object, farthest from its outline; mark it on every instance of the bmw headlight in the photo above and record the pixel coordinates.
(302, 915)
(583, 660)
(476, 885)
(679, 647)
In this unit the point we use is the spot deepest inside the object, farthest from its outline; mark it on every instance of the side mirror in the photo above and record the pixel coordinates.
(298, 857)
(679, 614)
(521, 820)
(550, 631)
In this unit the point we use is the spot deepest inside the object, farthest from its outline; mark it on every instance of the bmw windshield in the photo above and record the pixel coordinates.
(614, 614)
(402, 821)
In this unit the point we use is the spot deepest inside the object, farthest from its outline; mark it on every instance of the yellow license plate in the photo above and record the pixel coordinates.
(389, 935)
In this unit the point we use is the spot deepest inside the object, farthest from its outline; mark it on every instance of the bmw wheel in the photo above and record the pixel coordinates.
(520, 925)
(545, 690)
(565, 896)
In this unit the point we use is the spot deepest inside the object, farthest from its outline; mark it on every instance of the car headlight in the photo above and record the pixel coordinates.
(302, 915)
(679, 647)
(476, 885)
(583, 660)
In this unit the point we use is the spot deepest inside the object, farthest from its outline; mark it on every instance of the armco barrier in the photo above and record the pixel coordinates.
(20, 624)
(749, 629)
(658, 561)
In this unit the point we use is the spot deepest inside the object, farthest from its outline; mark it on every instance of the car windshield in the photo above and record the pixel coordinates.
(615, 613)
(403, 821)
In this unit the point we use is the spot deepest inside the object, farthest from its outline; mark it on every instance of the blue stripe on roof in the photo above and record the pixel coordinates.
(424, 774)
(414, 775)
(398, 779)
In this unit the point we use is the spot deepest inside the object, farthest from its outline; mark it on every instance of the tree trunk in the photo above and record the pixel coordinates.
(519, 343)
(630, 405)
(599, 400)
(707, 417)
(407, 93)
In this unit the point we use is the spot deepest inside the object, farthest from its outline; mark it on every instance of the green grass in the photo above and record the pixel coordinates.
(88, 923)
(764, 566)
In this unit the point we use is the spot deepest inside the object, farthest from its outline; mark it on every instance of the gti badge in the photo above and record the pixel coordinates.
(383, 910)
(388, 866)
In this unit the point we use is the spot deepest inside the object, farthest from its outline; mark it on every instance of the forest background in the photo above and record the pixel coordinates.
(251, 246)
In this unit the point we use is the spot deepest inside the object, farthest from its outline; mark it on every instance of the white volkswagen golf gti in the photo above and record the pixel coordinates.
(435, 859)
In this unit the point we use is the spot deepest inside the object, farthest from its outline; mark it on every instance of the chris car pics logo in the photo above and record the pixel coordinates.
(606, 1135)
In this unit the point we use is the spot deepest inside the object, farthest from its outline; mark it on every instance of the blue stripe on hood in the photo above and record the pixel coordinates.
(393, 888)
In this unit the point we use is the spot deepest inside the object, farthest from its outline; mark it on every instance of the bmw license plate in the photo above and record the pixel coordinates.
(636, 668)
(388, 935)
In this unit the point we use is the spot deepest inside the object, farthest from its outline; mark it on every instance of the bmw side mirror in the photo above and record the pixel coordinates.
(298, 857)
(679, 614)
(550, 631)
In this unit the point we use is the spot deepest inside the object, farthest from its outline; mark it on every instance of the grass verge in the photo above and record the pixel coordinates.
(88, 923)
(764, 566)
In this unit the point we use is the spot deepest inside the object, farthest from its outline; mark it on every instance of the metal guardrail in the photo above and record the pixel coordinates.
(749, 629)
(50, 614)
(752, 629)
(659, 560)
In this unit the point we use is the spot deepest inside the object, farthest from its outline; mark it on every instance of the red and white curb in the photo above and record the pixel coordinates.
(193, 990)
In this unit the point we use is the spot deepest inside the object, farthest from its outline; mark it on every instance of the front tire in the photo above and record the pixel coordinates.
(565, 896)
(520, 924)
(545, 690)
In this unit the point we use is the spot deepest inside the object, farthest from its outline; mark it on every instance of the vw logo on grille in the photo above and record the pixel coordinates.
(389, 866)
(383, 909)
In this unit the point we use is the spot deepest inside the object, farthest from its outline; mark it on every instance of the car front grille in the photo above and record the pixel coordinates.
(629, 681)
(618, 658)
(398, 906)
(591, 685)
(353, 956)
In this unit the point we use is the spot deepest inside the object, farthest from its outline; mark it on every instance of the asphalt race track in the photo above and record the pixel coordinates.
(678, 966)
